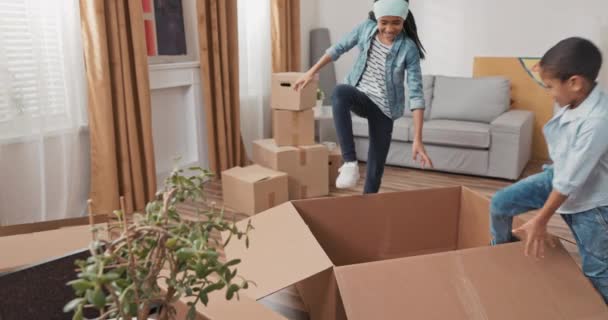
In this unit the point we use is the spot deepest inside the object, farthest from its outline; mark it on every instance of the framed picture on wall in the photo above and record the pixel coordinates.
(168, 30)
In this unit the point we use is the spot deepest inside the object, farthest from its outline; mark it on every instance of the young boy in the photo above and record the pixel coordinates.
(576, 185)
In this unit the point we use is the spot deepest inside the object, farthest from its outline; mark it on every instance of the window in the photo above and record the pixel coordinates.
(41, 66)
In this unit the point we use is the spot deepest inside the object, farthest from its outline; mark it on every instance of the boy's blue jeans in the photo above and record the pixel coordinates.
(590, 228)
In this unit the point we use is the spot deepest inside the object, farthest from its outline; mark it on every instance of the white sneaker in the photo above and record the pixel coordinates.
(349, 175)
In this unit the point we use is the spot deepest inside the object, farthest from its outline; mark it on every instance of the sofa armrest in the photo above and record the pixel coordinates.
(513, 121)
(511, 145)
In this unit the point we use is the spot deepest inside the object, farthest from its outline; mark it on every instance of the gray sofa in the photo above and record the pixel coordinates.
(468, 129)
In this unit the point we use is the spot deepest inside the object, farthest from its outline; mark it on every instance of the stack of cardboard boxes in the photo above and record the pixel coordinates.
(291, 162)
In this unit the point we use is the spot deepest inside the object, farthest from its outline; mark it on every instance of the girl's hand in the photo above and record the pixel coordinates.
(419, 154)
(535, 234)
(303, 81)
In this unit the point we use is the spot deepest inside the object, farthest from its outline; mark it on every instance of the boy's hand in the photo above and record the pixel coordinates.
(535, 234)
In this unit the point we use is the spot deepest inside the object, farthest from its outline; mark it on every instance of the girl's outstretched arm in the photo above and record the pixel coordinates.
(310, 74)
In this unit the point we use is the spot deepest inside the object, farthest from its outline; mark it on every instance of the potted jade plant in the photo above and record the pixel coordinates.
(158, 257)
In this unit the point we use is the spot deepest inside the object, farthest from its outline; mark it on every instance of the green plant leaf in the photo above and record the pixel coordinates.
(191, 313)
(214, 287)
(78, 314)
(232, 262)
(108, 277)
(231, 290)
(98, 299)
(204, 297)
(130, 309)
(171, 243)
(89, 295)
(185, 253)
(200, 270)
(73, 304)
(80, 284)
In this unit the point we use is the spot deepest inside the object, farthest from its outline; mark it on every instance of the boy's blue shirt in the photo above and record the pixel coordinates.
(578, 146)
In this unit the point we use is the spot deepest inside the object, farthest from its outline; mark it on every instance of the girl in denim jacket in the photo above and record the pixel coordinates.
(374, 89)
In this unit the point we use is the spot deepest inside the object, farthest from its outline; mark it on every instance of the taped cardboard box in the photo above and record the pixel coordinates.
(284, 97)
(293, 128)
(335, 161)
(408, 255)
(305, 166)
(253, 189)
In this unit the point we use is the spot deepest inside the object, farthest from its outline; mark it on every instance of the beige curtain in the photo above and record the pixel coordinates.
(122, 153)
(285, 29)
(218, 40)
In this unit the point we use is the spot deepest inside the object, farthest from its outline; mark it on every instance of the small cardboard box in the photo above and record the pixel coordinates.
(284, 97)
(335, 162)
(293, 128)
(253, 189)
(420, 254)
(306, 166)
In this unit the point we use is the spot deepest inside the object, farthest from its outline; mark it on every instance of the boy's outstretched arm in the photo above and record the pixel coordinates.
(535, 230)
(576, 167)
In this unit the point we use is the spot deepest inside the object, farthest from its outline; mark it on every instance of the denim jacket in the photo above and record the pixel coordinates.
(404, 56)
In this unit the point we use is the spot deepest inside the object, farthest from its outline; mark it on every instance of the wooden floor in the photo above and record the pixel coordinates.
(287, 301)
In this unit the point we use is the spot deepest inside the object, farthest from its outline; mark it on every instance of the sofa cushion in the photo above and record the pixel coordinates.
(449, 159)
(401, 128)
(470, 99)
(428, 83)
(455, 133)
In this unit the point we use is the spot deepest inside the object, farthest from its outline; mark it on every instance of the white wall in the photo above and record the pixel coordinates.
(178, 118)
(454, 32)
(309, 19)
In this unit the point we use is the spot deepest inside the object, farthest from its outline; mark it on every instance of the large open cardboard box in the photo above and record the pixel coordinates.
(408, 255)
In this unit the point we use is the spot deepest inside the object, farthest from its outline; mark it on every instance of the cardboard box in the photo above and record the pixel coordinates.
(335, 162)
(306, 167)
(408, 255)
(18, 251)
(253, 189)
(221, 309)
(284, 97)
(293, 128)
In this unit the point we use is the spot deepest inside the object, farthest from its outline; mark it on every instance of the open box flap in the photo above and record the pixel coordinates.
(218, 308)
(253, 174)
(27, 249)
(282, 251)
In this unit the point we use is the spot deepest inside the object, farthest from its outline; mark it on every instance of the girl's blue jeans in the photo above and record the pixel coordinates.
(347, 99)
